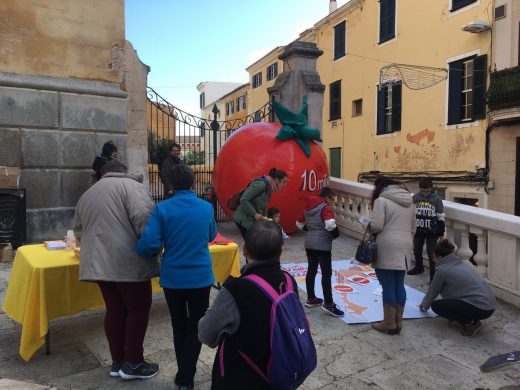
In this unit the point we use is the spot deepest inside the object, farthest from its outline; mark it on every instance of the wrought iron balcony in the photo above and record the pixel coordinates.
(504, 89)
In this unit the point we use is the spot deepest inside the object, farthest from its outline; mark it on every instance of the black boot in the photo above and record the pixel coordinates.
(415, 271)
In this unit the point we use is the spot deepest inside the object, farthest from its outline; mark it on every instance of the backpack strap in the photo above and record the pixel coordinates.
(263, 285)
(266, 287)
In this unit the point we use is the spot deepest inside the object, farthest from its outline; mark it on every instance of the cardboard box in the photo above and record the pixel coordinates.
(9, 177)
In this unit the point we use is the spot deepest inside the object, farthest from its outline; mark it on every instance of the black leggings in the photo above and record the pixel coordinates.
(323, 259)
(460, 311)
(187, 307)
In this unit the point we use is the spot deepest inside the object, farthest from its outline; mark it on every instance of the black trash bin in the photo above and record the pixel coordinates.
(13, 224)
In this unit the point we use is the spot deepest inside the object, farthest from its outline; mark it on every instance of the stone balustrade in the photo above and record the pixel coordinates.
(489, 238)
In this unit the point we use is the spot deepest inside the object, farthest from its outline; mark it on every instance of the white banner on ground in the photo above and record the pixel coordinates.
(356, 290)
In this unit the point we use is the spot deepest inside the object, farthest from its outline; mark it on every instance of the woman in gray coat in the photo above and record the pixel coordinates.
(109, 219)
(393, 220)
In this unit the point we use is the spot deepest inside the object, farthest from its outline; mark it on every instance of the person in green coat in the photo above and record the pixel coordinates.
(254, 200)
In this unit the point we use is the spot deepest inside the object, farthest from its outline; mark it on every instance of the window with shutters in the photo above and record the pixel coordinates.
(272, 71)
(241, 103)
(357, 107)
(458, 4)
(230, 107)
(335, 100)
(340, 38)
(389, 108)
(467, 90)
(257, 80)
(386, 20)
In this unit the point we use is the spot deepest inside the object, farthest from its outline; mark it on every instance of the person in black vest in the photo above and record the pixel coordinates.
(240, 313)
(429, 213)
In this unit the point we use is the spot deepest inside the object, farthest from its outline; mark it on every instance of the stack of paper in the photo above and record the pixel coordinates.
(55, 245)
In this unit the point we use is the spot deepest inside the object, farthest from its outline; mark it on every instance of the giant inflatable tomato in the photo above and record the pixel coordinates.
(254, 149)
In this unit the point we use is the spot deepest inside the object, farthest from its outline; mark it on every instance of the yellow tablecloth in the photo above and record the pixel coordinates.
(45, 285)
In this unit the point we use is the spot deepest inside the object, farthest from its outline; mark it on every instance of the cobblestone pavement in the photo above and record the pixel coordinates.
(428, 354)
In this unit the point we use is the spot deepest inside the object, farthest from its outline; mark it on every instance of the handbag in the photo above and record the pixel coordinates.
(366, 252)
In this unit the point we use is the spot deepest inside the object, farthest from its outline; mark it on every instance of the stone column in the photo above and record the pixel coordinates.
(300, 78)
(135, 81)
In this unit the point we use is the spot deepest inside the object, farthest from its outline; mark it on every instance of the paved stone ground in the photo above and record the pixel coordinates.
(427, 355)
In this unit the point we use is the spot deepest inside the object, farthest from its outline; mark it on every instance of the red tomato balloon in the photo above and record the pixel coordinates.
(252, 151)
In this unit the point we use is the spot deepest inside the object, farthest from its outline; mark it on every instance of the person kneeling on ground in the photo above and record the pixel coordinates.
(467, 298)
(238, 321)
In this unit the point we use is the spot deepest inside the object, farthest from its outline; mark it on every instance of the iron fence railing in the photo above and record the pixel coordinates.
(200, 139)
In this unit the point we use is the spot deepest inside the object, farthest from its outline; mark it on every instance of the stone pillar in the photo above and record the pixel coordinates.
(300, 78)
(135, 81)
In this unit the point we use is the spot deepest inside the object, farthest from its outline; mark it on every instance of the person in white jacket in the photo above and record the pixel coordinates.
(393, 220)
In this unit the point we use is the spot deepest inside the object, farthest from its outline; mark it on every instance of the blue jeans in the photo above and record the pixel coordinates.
(392, 281)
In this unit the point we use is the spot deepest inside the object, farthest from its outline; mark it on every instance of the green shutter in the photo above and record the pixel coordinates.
(479, 87)
(455, 93)
(381, 94)
(397, 90)
(335, 162)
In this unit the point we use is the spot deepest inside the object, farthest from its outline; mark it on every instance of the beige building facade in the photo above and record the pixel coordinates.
(504, 103)
(262, 75)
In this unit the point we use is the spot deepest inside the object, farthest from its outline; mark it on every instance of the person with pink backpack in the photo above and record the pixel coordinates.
(258, 322)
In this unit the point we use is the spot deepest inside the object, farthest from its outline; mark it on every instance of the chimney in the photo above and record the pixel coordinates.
(333, 6)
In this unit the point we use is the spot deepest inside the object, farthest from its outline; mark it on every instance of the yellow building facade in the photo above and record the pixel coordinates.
(395, 128)
(236, 103)
(262, 75)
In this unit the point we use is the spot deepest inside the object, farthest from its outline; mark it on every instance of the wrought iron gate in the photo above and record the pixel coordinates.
(200, 140)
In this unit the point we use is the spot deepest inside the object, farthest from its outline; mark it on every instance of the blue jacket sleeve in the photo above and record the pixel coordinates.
(151, 240)
(212, 227)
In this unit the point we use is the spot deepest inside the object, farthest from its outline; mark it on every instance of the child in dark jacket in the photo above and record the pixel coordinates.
(320, 223)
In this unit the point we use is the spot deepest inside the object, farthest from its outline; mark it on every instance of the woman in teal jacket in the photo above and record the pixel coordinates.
(183, 225)
(254, 200)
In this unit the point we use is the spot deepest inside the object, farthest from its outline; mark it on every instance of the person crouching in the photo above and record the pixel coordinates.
(466, 297)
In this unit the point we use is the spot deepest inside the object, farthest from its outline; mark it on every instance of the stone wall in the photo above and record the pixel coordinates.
(53, 129)
(64, 38)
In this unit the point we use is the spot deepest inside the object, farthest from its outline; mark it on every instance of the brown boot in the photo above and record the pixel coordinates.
(399, 311)
(388, 323)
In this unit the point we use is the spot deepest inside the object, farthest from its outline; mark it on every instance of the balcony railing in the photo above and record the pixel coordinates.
(497, 235)
(504, 89)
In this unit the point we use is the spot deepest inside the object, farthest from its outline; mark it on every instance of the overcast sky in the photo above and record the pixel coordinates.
(187, 42)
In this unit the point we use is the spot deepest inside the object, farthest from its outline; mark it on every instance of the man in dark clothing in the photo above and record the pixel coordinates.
(167, 166)
(109, 152)
(430, 225)
(238, 320)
